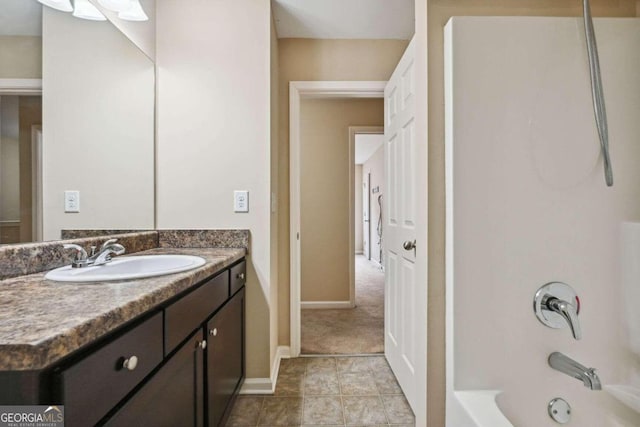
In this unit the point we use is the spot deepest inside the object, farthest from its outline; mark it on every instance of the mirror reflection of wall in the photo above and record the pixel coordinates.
(85, 94)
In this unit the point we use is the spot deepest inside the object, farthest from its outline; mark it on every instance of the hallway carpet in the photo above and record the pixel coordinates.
(359, 330)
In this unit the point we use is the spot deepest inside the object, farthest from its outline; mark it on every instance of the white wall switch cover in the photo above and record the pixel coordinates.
(241, 201)
(72, 201)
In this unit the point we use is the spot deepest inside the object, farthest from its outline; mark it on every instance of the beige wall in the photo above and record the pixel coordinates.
(20, 57)
(324, 191)
(309, 59)
(357, 203)
(438, 13)
(98, 126)
(375, 166)
(214, 92)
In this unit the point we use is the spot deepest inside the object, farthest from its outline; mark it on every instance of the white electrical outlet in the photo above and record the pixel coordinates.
(72, 201)
(241, 201)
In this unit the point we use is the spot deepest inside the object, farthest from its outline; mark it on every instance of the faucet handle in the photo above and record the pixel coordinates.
(570, 314)
(107, 243)
(557, 306)
(80, 258)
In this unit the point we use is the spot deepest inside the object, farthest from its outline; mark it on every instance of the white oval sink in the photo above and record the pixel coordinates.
(123, 268)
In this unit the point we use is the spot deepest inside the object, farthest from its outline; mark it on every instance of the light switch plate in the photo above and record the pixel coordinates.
(241, 201)
(72, 201)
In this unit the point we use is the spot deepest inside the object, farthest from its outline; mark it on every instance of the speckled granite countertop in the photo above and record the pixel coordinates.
(42, 321)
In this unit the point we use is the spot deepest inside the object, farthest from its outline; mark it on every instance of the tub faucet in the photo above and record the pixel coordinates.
(564, 364)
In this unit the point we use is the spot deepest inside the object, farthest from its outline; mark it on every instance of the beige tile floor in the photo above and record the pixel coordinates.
(328, 391)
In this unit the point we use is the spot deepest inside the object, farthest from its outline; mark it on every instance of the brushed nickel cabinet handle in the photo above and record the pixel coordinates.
(240, 276)
(202, 344)
(213, 332)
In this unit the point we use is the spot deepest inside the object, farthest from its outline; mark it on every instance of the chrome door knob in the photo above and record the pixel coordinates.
(409, 245)
(130, 363)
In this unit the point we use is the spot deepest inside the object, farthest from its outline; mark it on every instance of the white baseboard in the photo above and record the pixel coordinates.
(326, 304)
(266, 385)
(359, 252)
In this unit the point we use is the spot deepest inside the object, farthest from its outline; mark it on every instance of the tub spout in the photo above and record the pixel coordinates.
(566, 365)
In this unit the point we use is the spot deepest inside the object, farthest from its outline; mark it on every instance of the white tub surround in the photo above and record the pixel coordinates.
(527, 205)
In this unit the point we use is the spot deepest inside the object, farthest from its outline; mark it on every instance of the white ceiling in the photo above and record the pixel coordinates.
(366, 145)
(20, 18)
(344, 19)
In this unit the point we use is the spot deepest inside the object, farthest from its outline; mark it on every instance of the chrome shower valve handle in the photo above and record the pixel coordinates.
(557, 306)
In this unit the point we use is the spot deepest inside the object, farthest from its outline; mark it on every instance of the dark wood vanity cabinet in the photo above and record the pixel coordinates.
(97, 382)
(189, 364)
(225, 370)
(172, 397)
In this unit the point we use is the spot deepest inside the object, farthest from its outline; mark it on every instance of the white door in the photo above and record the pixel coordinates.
(366, 223)
(405, 267)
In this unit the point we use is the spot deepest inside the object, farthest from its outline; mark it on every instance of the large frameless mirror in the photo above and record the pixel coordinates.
(76, 121)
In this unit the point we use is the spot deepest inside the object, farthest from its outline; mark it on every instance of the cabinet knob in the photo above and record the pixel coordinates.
(130, 363)
(202, 344)
(213, 332)
(240, 276)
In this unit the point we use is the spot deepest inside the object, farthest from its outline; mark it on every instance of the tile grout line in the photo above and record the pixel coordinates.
(304, 386)
(260, 411)
(384, 409)
(344, 412)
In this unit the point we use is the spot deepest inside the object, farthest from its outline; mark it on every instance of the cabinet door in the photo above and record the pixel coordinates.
(174, 396)
(92, 386)
(225, 357)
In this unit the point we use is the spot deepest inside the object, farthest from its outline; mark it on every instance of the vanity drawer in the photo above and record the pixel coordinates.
(238, 277)
(187, 314)
(95, 384)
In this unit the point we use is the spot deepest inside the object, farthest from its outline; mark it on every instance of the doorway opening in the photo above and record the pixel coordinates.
(342, 309)
(20, 166)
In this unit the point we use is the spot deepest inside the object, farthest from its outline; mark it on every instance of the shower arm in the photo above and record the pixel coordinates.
(597, 94)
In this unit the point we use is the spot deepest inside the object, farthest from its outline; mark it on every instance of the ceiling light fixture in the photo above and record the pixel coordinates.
(85, 10)
(128, 10)
(135, 13)
(116, 5)
(62, 5)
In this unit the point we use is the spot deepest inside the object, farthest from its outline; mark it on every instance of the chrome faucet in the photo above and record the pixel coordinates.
(564, 364)
(103, 256)
(108, 248)
(81, 258)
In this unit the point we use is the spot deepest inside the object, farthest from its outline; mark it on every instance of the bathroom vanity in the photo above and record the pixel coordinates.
(162, 351)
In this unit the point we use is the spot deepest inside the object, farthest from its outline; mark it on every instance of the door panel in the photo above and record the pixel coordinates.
(404, 330)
